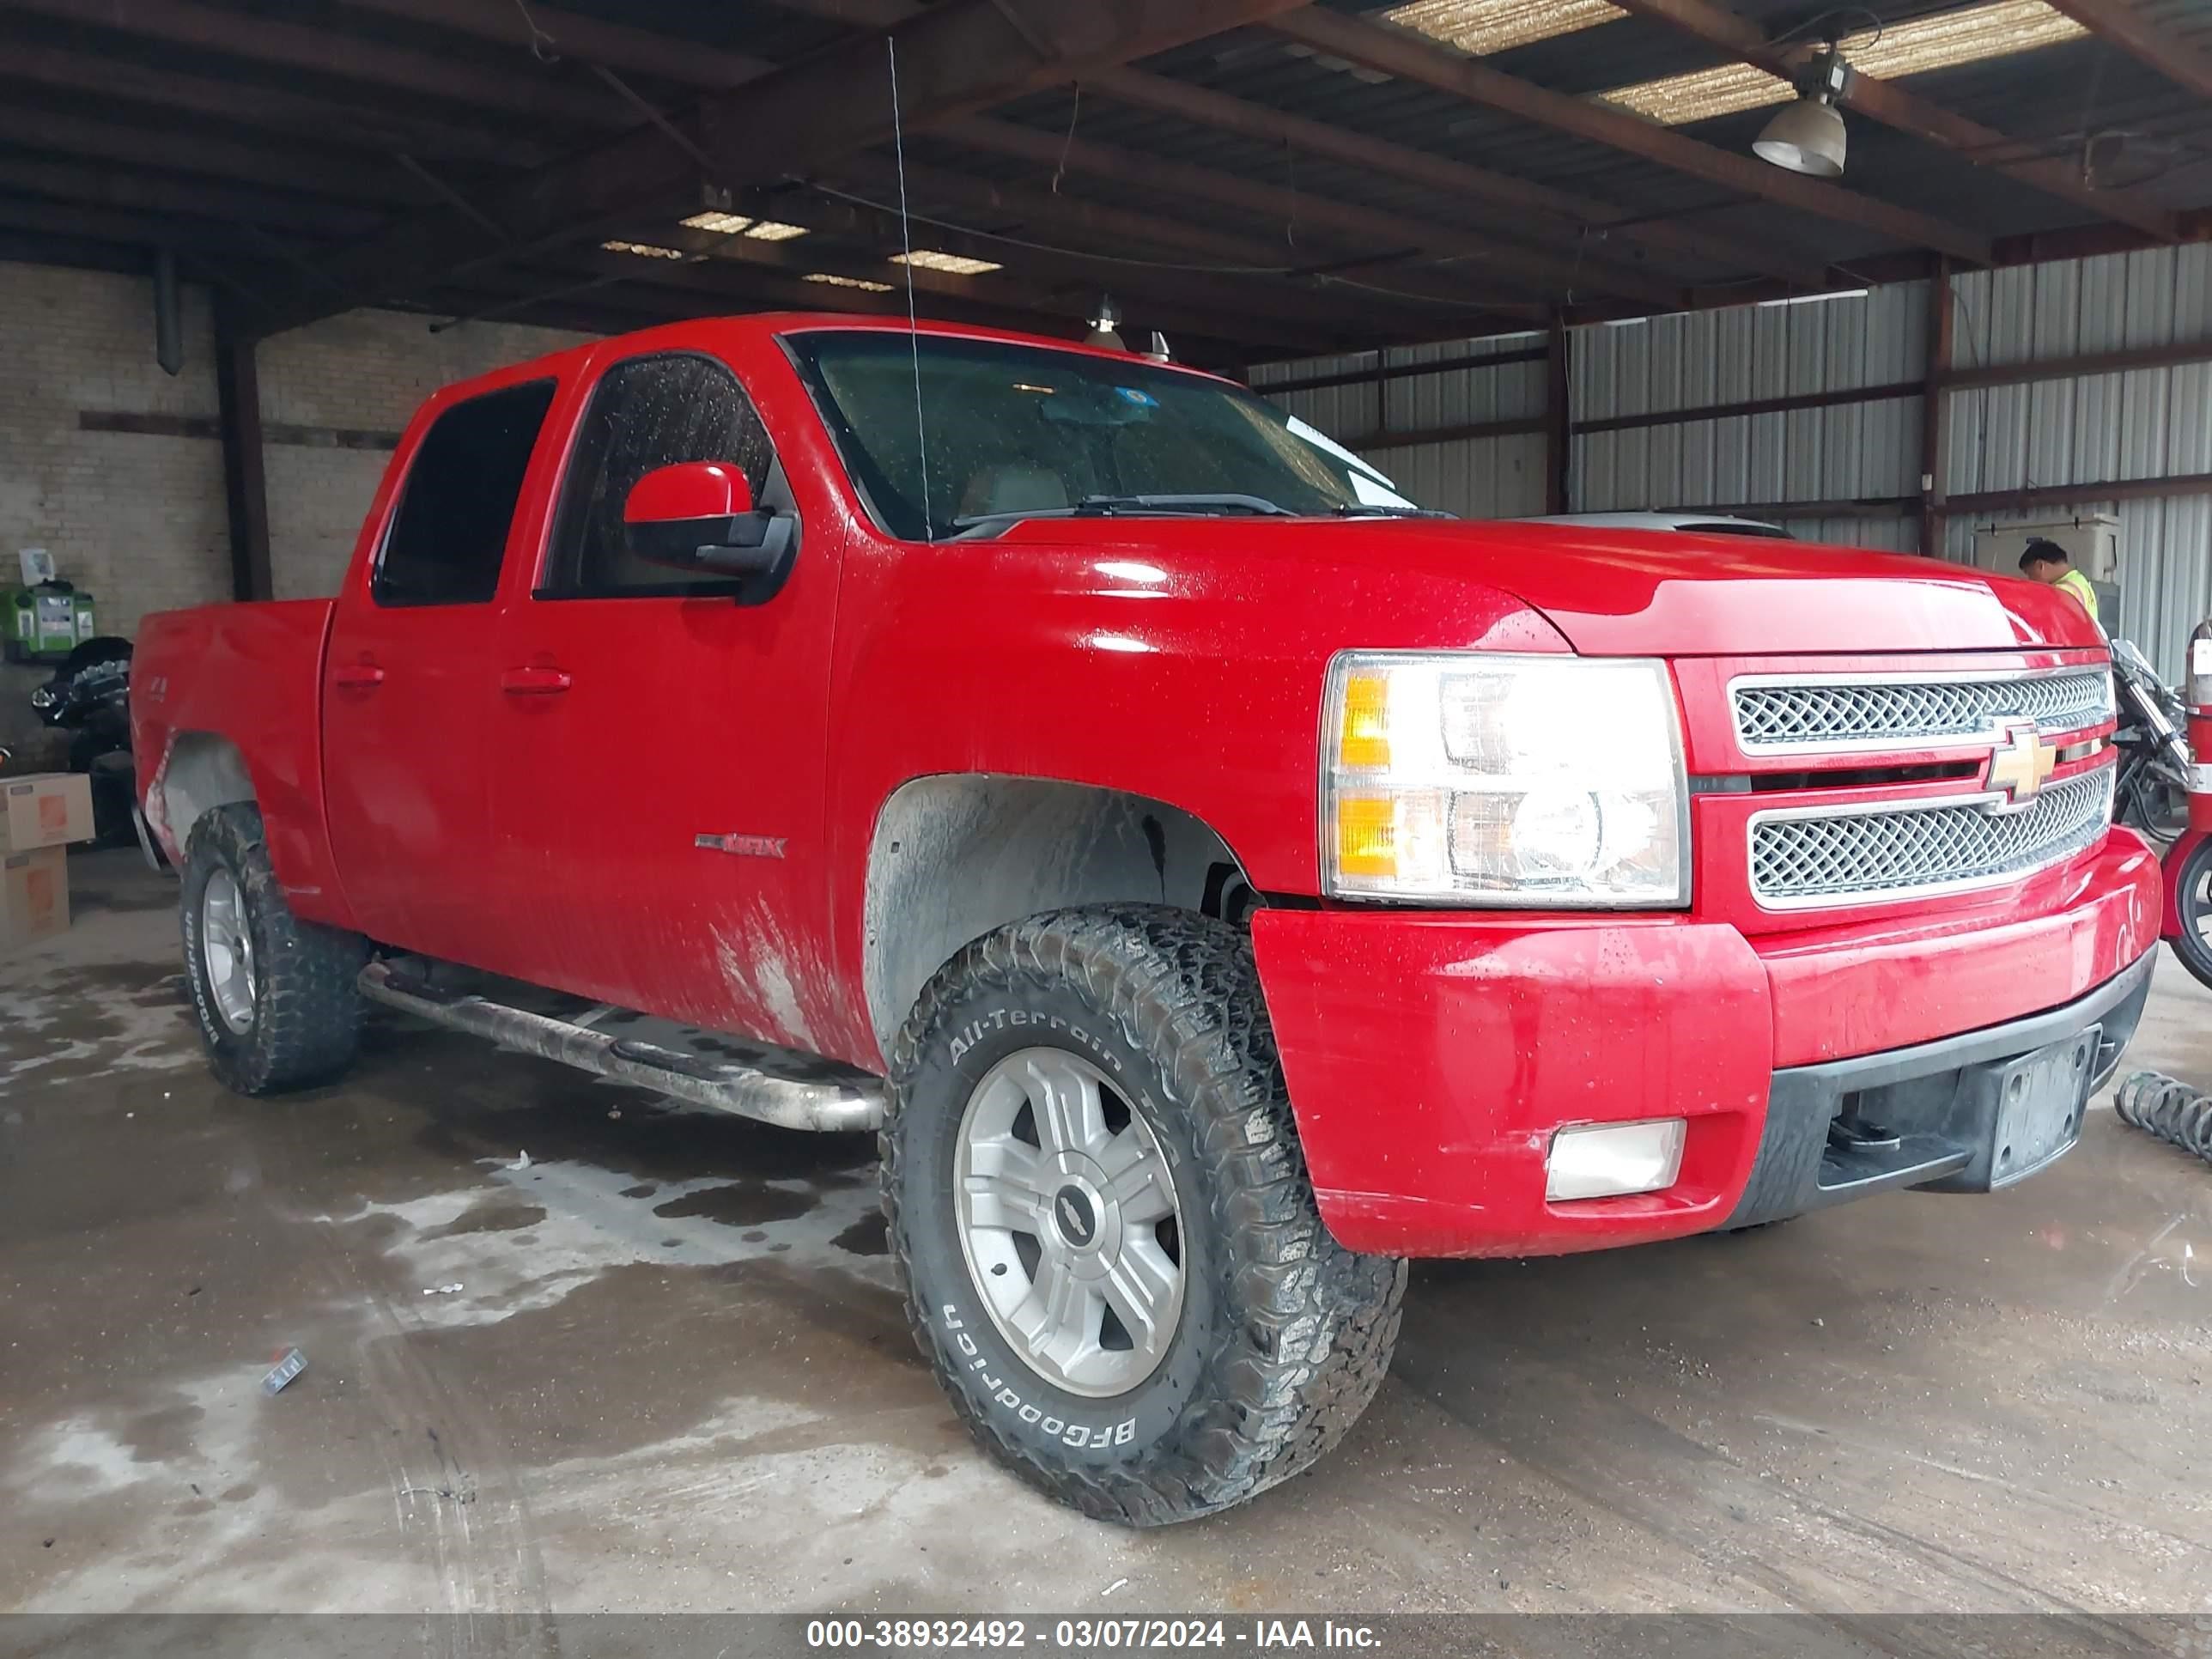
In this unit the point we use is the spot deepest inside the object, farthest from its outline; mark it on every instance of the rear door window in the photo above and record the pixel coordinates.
(449, 535)
(647, 412)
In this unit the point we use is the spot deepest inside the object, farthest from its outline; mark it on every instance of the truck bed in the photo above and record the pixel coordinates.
(225, 705)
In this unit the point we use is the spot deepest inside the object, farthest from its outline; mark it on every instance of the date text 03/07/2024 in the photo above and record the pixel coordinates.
(1084, 1635)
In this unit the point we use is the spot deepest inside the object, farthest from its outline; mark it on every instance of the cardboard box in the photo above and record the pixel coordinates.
(34, 896)
(46, 809)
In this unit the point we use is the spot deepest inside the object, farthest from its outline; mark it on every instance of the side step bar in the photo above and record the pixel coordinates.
(747, 1090)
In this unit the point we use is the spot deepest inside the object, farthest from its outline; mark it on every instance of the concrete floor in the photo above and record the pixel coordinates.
(675, 1377)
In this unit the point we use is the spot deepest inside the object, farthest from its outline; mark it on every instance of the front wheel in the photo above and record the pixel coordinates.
(1111, 1251)
(2192, 897)
(275, 996)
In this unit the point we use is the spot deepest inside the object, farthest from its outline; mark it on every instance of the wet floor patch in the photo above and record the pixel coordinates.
(866, 1236)
(501, 1214)
(547, 1368)
(742, 1203)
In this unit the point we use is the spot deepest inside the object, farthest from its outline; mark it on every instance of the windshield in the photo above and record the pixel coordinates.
(1016, 431)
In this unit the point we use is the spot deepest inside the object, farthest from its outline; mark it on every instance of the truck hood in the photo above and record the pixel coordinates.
(1624, 593)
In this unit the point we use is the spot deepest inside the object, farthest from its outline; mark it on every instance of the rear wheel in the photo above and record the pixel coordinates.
(1112, 1254)
(275, 996)
(2192, 897)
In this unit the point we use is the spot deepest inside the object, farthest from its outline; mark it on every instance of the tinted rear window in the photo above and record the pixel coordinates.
(450, 533)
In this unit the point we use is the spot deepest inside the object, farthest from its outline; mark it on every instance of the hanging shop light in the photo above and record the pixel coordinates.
(1808, 135)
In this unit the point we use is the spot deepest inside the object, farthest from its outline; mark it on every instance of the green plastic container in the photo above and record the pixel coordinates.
(47, 622)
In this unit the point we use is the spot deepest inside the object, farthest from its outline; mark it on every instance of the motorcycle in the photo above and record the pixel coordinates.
(89, 696)
(2151, 793)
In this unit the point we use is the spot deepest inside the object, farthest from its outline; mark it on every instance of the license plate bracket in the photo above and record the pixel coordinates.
(2013, 1117)
(2040, 1099)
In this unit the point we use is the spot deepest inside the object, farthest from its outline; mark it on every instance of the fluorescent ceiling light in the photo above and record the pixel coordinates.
(722, 223)
(835, 280)
(956, 264)
(733, 224)
(1481, 26)
(1941, 41)
(645, 250)
(1817, 299)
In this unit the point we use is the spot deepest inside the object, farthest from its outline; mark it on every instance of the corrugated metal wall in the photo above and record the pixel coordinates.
(1697, 359)
(2146, 423)
(1478, 478)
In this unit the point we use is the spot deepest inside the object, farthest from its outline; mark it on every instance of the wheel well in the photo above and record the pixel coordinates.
(957, 855)
(204, 770)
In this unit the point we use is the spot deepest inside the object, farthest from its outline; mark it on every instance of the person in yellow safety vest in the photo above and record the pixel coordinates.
(2046, 562)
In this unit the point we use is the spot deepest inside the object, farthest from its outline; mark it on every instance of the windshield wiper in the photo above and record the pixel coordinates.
(1107, 506)
(1378, 510)
(1196, 505)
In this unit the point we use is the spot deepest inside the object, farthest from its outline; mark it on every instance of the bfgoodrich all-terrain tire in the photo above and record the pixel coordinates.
(1101, 1217)
(275, 996)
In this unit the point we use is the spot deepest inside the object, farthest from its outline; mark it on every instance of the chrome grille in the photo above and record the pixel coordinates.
(1819, 855)
(1821, 713)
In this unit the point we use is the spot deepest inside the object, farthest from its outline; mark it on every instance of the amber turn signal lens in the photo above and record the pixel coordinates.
(1366, 837)
(1365, 739)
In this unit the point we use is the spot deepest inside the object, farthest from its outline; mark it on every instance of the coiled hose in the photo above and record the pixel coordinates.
(2173, 1111)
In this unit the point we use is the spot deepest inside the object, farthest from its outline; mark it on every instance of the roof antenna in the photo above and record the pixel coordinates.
(913, 324)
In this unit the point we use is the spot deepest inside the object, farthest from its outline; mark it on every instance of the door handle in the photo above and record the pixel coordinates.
(534, 682)
(357, 676)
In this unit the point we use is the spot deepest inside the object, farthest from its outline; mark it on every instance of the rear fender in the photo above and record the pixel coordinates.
(200, 771)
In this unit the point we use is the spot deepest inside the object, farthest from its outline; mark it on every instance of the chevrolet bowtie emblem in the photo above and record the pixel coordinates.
(2019, 763)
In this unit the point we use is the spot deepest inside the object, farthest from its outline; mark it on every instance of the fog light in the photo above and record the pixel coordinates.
(1605, 1160)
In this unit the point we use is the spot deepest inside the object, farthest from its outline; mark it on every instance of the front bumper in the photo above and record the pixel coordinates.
(1941, 1099)
(1432, 1057)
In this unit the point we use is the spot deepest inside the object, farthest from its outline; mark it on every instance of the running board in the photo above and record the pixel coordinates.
(847, 1102)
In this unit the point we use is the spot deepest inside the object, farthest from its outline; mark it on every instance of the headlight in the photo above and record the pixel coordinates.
(43, 697)
(1473, 778)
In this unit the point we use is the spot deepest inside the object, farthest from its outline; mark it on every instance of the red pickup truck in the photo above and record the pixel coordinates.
(1216, 880)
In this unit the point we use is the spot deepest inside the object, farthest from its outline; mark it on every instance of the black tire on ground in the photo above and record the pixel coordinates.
(2192, 897)
(1284, 1335)
(306, 1013)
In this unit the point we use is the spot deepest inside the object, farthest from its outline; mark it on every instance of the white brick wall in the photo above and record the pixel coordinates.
(366, 370)
(139, 520)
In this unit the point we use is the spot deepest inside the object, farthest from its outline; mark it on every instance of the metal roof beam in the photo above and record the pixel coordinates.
(1064, 215)
(1569, 209)
(266, 39)
(1410, 57)
(1893, 106)
(288, 167)
(355, 125)
(1048, 213)
(1246, 316)
(939, 294)
(1180, 299)
(954, 59)
(1366, 228)
(2124, 24)
(587, 39)
(87, 183)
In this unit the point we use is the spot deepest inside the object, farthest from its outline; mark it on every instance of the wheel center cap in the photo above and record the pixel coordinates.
(1076, 1217)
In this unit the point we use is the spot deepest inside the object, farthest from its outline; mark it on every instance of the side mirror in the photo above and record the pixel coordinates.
(699, 517)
